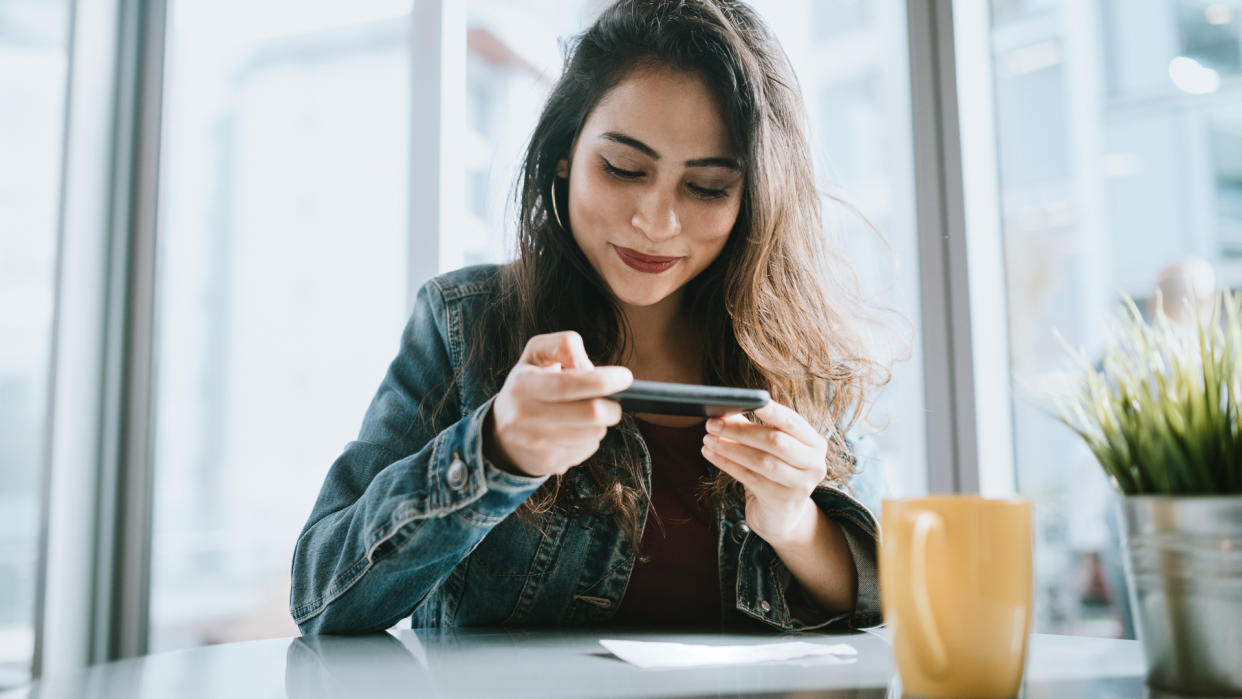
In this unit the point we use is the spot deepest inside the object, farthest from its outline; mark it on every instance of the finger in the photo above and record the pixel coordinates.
(755, 483)
(587, 413)
(564, 349)
(563, 385)
(765, 464)
(769, 439)
(788, 420)
(573, 436)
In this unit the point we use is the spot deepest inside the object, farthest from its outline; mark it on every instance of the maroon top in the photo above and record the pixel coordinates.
(679, 582)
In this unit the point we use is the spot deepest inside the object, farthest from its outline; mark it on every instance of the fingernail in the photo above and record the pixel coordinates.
(710, 441)
(714, 424)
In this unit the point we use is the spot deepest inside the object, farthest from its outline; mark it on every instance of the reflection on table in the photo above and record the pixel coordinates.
(556, 663)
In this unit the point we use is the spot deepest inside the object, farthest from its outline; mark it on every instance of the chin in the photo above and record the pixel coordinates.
(636, 294)
(643, 301)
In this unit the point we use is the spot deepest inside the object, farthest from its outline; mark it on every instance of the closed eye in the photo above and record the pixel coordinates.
(618, 172)
(706, 193)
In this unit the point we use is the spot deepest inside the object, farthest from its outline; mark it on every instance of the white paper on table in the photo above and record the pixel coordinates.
(650, 654)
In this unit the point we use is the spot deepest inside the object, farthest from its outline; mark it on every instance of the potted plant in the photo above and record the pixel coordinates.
(1162, 414)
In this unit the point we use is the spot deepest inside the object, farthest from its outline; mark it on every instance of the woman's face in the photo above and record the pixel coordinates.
(655, 184)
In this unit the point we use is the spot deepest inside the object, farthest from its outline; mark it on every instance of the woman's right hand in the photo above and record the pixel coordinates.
(552, 411)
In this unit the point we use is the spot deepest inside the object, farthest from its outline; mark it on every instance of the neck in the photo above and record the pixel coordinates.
(663, 343)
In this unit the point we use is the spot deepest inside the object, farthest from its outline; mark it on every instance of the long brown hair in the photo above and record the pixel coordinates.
(778, 304)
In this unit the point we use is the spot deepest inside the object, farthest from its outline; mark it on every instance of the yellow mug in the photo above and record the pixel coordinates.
(955, 586)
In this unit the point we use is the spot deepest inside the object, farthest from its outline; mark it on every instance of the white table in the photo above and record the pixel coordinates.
(548, 663)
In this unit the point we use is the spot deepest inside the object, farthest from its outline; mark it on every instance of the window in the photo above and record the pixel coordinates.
(1120, 150)
(283, 243)
(33, 51)
(513, 58)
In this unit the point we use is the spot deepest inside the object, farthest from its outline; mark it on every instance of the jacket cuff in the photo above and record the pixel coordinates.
(776, 598)
(461, 479)
(861, 532)
(863, 548)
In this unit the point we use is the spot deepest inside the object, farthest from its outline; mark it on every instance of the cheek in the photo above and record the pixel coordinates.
(595, 204)
(713, 225)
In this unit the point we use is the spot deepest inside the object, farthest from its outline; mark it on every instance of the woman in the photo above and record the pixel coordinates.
(669, 230)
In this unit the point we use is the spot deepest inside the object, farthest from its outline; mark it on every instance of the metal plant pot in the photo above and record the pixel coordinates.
(1184, 574)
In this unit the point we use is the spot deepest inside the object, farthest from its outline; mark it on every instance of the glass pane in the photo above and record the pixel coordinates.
(851, 60)
(283, 248)
(513, 58)
(1119, 128)
(34, 53)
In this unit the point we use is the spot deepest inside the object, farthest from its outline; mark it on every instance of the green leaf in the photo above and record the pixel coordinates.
(1164, 413)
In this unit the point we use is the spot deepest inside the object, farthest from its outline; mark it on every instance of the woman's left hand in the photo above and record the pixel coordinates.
(779, 463)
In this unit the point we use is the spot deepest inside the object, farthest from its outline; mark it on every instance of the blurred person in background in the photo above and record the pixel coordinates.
(669, 229)
(1185, 284)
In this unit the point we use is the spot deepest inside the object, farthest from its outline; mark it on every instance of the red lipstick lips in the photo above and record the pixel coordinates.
(649, 264)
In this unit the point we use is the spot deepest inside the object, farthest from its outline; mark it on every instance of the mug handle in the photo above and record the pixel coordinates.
(925, 525)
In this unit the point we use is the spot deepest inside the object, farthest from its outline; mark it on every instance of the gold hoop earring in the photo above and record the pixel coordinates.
(552, 195)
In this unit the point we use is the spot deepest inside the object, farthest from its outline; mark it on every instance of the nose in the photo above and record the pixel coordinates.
(656, 216)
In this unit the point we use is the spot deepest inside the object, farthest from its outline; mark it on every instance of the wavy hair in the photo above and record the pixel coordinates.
(778, 303)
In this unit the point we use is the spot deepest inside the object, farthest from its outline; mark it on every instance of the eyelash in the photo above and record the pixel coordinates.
(618, 172)
(631, 175)
(704, 193)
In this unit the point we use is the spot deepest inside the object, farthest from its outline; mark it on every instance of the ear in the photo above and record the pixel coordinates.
(562, 168)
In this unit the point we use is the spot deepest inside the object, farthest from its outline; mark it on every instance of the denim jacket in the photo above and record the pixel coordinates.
(412, 519)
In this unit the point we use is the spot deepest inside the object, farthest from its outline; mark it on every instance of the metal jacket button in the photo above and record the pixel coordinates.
(764, 606)
(740, 530)
(457, 475)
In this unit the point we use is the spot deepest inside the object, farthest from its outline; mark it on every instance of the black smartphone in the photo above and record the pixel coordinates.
(689, 399)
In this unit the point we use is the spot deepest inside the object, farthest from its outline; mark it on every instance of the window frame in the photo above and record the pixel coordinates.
(961, 271)
(95, 528)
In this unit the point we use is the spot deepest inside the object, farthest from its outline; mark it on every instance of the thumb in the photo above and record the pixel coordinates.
(571, 352)
(564, 349)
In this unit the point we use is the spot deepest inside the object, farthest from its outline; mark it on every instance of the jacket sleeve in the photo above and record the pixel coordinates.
(788, 606)
(408, 500)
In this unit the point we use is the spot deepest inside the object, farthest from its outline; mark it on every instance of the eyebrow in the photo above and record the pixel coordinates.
(718, 161)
